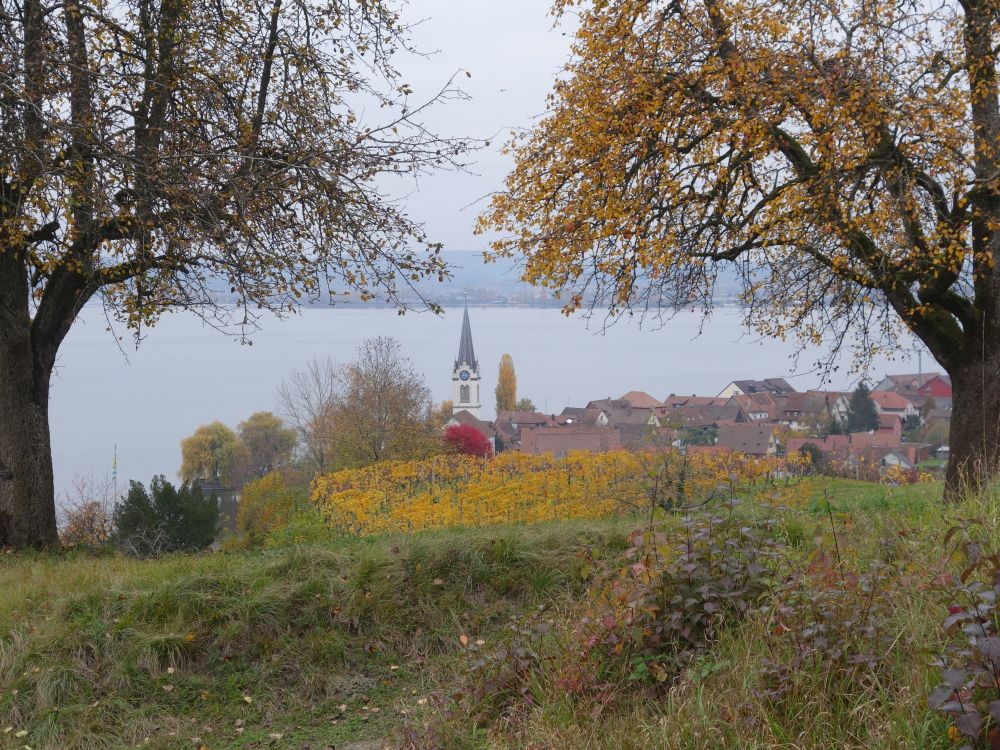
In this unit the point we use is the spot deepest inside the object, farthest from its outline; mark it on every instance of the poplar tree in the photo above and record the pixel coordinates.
(506, 390)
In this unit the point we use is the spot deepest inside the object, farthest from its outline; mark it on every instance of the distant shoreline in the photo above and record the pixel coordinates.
(415, 305)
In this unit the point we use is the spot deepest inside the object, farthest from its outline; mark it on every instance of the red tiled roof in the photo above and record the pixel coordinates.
(523, 418)
(676, 401)
(890, 400)
(912, 380)
(890, 421)
(562, 440)
(640, 400)
(754, 439)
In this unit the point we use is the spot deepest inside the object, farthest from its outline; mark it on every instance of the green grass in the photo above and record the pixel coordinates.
(111, 652)
(850, 495)
(343, 640)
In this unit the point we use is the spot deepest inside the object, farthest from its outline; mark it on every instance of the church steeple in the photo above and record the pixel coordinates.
(465, 375)
(466, 351)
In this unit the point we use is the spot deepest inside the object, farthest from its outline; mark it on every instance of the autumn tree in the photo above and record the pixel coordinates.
(506, 390)
(305, 399)
(214, 452)
(268, 442)
(87, 510)
(159, 154)
(525, 404)
(929, 405)
(382, 408)
(268, 503)
(444, 411)
(839, 158)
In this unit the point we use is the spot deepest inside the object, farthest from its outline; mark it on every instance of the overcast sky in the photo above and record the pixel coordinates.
(514, 53)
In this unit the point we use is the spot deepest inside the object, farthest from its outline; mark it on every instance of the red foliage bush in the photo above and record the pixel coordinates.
(465, 438)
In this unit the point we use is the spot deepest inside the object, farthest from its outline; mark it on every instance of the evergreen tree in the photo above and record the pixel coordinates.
(913, 425)
(706, 435)
(135, 522)
(165, 519)
(835, 426)
(862, 415)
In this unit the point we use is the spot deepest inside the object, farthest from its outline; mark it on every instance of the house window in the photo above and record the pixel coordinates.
(464, 394)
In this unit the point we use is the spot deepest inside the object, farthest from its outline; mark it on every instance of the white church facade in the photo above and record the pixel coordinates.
(465, 376)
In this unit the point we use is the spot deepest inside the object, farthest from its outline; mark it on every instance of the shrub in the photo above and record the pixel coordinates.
(970, 664)
(464, 438)
(266, 505)
(830, 624)
(88, 525)
(679, 587)
(164, 519)
(304, 526)
(87, 513)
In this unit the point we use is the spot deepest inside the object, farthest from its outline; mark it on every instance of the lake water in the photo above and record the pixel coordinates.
(186, 374)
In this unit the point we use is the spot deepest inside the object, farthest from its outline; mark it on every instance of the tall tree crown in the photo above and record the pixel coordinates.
(160, 152)
(841, 157)
(506, 388)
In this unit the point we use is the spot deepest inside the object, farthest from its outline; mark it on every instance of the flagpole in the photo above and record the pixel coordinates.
(114, 475)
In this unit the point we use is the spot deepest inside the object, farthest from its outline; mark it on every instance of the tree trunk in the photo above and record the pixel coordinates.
(975, 423)
(27, 490)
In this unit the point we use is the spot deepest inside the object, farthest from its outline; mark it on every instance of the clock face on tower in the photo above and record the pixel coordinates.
(464, 374)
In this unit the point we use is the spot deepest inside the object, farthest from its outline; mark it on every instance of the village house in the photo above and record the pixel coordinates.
(511, 425)
(774, 386)
(917, 386)
(759, 406)
(227, 498)
(571, 415)
(831, 445)
(640, 400)
(938, 387)
(674, 402)
(890, 402)
(610, 412)
(752, 439)
(559, 441)
(814, 410)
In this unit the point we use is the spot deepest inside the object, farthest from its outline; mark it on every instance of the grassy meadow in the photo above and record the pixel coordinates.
(388, 641)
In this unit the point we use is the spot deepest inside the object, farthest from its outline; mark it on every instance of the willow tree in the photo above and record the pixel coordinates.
(216, 453)
(159, 154)
(842, 158)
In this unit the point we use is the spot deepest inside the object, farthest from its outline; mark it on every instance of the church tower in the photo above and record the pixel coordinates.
(465, 377)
